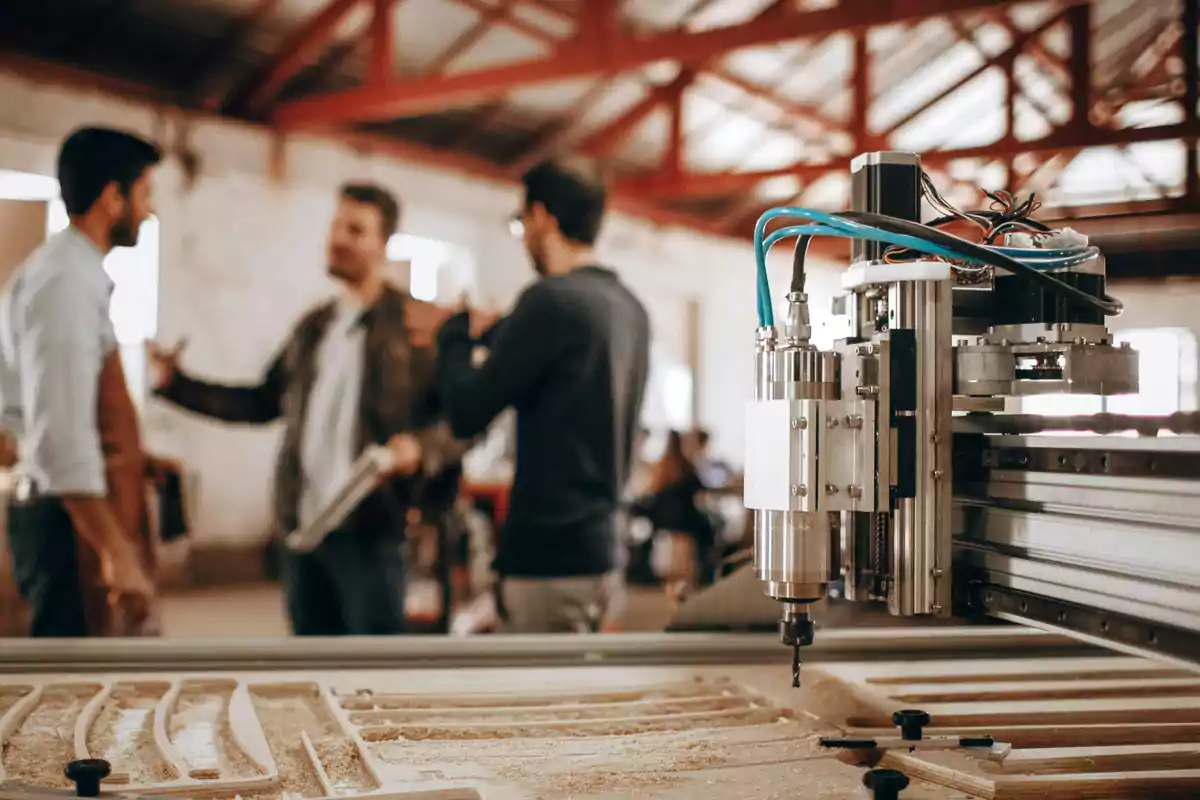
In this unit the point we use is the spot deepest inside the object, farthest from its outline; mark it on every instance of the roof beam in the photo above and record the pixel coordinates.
(606, 138)
(1013, 50)
(713, 184)
(300, 49)
(213, 58)
(621, 53)
(382, 41)
(471, 36)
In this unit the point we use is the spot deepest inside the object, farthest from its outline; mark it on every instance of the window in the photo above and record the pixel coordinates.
(1167, 379)
(433, 268)
(134, 272)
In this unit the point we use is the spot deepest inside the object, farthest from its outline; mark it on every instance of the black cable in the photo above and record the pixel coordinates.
(798, 263)
(1107, 305)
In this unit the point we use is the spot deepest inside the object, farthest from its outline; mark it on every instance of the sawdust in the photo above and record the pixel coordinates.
(597, 728)
(201, 733)
(11, 695)
(366, 701)
(123, 733)
(283, 716)
(567, 712)
(44, 743)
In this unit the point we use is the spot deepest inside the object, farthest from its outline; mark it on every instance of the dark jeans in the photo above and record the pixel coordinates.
(42, 540)
(353, 584)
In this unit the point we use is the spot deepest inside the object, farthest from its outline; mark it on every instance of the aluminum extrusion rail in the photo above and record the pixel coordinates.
(141, 655)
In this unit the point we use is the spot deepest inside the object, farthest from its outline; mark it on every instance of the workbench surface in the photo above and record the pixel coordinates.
(548, 732)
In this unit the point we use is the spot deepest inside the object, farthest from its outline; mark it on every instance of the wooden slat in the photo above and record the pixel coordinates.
(1055, 712)
(1125, 758)
(1046, 736)
(926, 693)
(1101, 786)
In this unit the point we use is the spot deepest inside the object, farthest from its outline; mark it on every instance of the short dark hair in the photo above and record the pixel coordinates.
(92, 158)
(574, 199)
(382, 199)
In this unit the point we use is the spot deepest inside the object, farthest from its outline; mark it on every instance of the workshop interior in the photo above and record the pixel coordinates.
(924, 524)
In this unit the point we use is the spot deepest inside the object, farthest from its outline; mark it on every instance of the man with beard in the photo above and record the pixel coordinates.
(80, 550)
(350, 375)
(572, 359)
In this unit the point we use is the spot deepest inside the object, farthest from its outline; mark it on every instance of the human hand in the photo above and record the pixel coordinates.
(423, 321)
(406, 453)
(163, 363)
(129, 585)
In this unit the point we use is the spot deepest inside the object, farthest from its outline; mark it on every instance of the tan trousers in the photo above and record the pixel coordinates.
(562, 605)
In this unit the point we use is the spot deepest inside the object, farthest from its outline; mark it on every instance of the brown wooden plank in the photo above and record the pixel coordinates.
(1053, 712)
(1100, 786)
(1124, 758)
(925, 693)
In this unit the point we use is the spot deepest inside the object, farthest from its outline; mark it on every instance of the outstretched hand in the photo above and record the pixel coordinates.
(163, 362)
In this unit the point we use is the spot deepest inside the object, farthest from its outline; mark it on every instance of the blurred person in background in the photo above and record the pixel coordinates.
(681, 527)
(352, 373)
(714, 473)
(78, 528)
(572, 360)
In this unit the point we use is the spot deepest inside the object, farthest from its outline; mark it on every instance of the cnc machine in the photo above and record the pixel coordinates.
(888, 463)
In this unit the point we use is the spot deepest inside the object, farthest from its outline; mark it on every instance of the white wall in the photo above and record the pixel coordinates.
(242, 257)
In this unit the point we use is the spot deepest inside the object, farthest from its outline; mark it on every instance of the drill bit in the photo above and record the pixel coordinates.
(796, 666)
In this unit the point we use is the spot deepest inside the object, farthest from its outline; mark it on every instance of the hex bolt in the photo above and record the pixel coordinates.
(854, 421)
(799, 423)
(831, 423)
(799, 491)
(830, 489)
(854, 491)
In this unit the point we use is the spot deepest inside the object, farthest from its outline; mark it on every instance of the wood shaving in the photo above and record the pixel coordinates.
(200, 731)
(123, 734)
(44, 743)
(283, 716)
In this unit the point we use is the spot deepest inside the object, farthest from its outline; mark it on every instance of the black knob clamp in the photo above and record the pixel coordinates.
(885, 784)
(87, 774)
(911, 723)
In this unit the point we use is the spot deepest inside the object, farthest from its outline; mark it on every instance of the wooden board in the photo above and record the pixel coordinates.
(595, 732)
(1112, 727)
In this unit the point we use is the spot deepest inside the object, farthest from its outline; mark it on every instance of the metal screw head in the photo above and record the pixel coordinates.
(799, 491)
(937, 474)
(854, 491)
(831, 423)
(854, 421)
(799, 423)
(936, 572)
(830, 489)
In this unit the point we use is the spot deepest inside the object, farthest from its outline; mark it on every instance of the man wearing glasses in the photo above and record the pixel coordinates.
(572, 359)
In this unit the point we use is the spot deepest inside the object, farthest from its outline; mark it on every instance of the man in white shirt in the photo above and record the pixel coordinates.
(57, 351)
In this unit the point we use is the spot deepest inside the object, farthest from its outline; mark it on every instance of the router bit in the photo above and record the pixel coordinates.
(796, 630)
